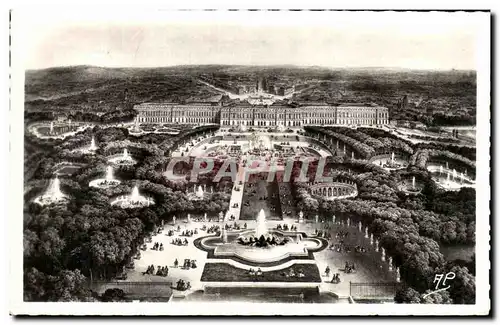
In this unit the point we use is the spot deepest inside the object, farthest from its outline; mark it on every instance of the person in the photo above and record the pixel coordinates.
(176, 263)
(259, 271)
(327, 271)
(180, 284)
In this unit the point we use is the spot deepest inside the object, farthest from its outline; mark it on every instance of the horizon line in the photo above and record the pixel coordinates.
(255, 65)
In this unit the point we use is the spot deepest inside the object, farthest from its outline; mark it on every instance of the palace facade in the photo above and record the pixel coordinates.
(263, 115)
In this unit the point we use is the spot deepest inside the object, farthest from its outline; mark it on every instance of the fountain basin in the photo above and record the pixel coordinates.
(252, 255)
(133, 200)
(122, 160)
(67, 168)
(126, 202)
(104, 183)
(52, 195)
(45, 200)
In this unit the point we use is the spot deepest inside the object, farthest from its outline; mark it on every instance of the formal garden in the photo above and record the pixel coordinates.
(73, 234)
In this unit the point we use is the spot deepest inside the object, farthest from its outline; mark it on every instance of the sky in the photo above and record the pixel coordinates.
(328, 39)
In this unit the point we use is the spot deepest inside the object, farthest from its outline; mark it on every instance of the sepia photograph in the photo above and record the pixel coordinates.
(250, 163)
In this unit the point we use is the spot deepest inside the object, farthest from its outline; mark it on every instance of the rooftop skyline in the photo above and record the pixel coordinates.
(442, 41)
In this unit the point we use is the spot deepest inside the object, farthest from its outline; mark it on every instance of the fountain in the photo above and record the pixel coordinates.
(371, 239)
(446, 165)
(134, 200)
(224, 235)
(301, 217)
(199, 192)
(53, 195)
(348, 222)
(261, 244)
(135, 194)
(376, 245)
(413, 183)
(188, 218)
(383, 254)
(398, 275)
(390, 163)
(123, 159)
(51, 128)
(173, 219)
(390, 263)
(261, 229)
(333, 219)
(360, 226)
(205, 218)
(366, 232)
(221, 216)
(107, 182)
(454, 174)
(316, 218)
(440, 169)
(93, 146)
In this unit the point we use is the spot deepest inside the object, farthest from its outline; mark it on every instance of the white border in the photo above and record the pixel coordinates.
(17, 306)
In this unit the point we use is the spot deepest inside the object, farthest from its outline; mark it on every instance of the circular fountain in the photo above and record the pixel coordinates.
(133, 200)
(392, 163)
(122, 160)
(410, 188)
(53, 195)
(107, 182)
(91, 149)
(53, 130)
(450, 179)
(197, 194)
